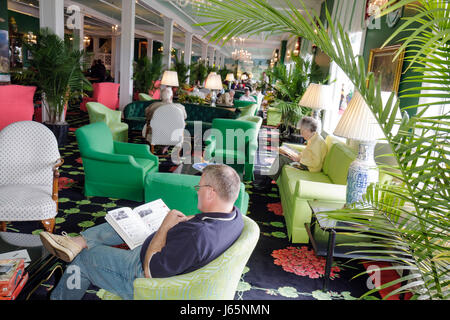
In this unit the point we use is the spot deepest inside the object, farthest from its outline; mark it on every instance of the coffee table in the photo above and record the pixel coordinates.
(43, 265)
(326, 246)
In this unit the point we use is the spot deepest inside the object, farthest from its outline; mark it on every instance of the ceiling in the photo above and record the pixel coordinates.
(101, 15)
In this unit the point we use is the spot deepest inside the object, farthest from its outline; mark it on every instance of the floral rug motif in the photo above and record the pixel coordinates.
(303, 262)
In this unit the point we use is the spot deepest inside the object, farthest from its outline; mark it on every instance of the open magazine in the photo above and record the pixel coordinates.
(135, 225)
(284, 149)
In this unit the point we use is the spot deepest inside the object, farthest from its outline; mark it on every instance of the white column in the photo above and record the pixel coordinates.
(115, 58)
(96, 46)
(51, 15)
(188, 51)
(127, 52)
(204, 52)
(211, 57)
(149, 49)
(167, 44)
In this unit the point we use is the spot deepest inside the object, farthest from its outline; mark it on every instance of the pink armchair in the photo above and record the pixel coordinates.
(16, 104)
(156, 92)
(106, 93)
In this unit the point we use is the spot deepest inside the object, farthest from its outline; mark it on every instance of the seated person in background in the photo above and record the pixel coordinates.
(166, 96)
(311, 158)
(246, 96)
(181, 245)
(235, 85)
(226, 99)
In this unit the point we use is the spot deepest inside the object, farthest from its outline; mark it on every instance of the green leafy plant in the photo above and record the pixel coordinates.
(290, 85)
(56, 70)
(409, 216)
(199, 72)
(181, 68)
(146, 72)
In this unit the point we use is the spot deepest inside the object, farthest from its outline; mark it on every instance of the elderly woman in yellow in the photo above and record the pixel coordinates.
(311, 158)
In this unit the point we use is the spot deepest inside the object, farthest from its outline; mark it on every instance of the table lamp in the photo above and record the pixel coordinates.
(358, 123)
(230, 79)
(316, 97)
(213, 83)
(170, 79)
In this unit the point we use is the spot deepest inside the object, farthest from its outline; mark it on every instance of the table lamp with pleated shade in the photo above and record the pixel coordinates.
(213, 83)
(316, 97)
(358, 123)
(170, 78)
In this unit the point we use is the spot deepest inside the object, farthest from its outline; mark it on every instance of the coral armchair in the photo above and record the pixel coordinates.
(112, 118)
(16, 104)
(112, 168)
(29, 161)
(218, 280)
(106, 93)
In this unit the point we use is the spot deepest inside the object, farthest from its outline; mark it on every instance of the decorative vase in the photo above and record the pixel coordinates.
(362, 172)
(60, 131)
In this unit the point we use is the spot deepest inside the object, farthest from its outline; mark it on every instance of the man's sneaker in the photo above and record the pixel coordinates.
(61, 246)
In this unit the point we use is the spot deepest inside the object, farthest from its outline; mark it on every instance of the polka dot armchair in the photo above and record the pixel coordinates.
(29, 161)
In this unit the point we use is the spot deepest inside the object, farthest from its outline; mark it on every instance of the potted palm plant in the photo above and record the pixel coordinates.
(146, 72)
(410, 217)
(56, 70)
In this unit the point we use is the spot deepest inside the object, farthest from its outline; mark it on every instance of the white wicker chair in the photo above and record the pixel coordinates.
(167, 127)
(29, 162)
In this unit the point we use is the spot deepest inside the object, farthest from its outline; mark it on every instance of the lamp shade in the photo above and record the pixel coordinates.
(358, 122)
(230, 77)
(214, 82)
(316, 96)
(170, 78)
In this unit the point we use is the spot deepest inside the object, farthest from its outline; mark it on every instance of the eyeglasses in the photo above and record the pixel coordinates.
(197, 187)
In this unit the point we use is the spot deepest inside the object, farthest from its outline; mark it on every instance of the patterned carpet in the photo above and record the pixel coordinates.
(277, 268)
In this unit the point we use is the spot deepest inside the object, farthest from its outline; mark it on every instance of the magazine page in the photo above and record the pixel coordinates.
(129, 226)
(288, 151)
(153, 213)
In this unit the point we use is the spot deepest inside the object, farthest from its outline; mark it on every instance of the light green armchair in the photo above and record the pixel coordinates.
(145, 97)
(218, 280)
(112, 118)
(112, 168)
(297, 187)
(274, 116)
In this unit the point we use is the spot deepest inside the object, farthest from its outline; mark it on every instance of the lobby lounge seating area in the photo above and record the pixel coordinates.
(359, 205)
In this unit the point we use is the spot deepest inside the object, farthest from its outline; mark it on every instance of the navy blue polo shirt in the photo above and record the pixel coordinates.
(192, 244)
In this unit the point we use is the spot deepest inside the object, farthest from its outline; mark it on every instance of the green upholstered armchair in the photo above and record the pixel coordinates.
(218, 280)
(177, 192)
(134, 114)
(234, 142)
(112, 168)
(112, 118)
(247, 108)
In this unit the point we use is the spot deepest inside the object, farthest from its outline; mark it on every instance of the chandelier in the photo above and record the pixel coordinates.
(240, 54)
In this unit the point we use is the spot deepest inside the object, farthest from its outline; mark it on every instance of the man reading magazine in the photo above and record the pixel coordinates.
(181, 244)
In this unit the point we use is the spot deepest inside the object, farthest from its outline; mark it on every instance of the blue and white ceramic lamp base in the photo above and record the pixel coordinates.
(362, 172)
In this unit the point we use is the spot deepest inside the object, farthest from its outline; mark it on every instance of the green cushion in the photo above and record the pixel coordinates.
(295, 175)
(337, 162)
